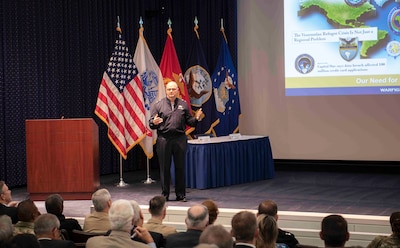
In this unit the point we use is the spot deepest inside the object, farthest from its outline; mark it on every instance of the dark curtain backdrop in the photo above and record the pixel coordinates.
(54, 52)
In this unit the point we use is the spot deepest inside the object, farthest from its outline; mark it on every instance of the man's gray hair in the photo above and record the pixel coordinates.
(217, 235)
(6, 227)
(136, 212)
(121, 215)
(45, 223)
(100, 199)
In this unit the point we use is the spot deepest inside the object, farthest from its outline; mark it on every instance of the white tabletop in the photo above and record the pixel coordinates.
(224, 139)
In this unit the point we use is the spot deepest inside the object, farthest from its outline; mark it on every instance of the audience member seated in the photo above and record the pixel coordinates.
(55, 205)
(27, 213)
(6, 230)
(334, 231)
(121, 219)
(47, 230)
(196, 221)
(270, 208)
(268, 232)
(98, 221)
(138, 220)
(24, 240)
(158, 211)
(212, 210)
(244, 229)
(217, 235)
(389, 241)
(7, 205)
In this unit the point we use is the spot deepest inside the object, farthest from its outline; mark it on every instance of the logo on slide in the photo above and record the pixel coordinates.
(393, 48)
(355, 3)
(348, 48)
(304, 63)
(394, 20)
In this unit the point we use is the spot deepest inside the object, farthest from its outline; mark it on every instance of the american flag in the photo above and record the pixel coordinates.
(120, 102)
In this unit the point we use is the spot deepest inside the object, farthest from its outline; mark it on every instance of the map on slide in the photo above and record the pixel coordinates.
(355, 40)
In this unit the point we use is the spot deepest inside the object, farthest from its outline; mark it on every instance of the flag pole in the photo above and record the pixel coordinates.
(121, 179)
(148, 180)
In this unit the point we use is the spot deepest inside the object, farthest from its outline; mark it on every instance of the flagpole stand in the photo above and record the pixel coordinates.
(122, 183)
(148, 180)
(121, 179)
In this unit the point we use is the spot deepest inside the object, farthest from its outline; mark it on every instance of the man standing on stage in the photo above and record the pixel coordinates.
(170, 116)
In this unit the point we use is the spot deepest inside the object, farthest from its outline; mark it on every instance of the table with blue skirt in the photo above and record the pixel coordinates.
(224, 161)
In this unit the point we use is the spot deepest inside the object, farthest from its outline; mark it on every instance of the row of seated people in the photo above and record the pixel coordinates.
(110, 222)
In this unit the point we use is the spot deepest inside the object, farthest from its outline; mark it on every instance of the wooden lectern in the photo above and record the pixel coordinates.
(62, 156)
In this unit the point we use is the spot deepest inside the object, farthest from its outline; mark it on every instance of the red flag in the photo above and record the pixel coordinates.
(171, 71)
(120, 100)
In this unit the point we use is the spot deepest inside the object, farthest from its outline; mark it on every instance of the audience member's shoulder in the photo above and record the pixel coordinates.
(287, 238)
(56, 243)
(25, 240)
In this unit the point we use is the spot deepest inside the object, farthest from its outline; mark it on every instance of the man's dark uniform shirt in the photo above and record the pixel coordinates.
(287, 238)
(174, 120)
(172, 141)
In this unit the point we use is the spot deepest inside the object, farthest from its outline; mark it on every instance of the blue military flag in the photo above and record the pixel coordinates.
(226, 92)
(199, 87)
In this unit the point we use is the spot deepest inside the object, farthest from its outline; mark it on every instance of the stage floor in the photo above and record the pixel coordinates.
(303, 191)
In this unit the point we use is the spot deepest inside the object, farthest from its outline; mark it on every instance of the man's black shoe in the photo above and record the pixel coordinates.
(181, 198)
(166, 197)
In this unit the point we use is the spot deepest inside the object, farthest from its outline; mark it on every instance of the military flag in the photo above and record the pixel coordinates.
(226, 92)
(153, 88)
(171, 71)
(199, 86)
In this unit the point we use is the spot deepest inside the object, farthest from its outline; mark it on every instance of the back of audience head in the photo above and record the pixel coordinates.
(157, 206)
(268, 231)
(47, 226)
(27, 211)
(54, 204)
(334, 231)
(218, 235)
(6, 228)
(121, 215)
(244, 227)
(395, 223)
(101, 200)
(206, 246)
(212, 210)
(268, 207)
(197, 217)
(137, 213)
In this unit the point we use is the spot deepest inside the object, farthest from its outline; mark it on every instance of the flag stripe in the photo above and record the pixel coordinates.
(120, 100)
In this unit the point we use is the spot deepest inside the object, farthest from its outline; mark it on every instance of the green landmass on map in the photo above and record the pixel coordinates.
(369, 46)
(341, 15)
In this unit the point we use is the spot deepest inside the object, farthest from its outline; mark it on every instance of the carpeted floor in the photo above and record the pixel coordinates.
(305, 191)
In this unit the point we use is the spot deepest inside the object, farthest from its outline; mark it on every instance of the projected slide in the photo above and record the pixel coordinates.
(342, 47)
